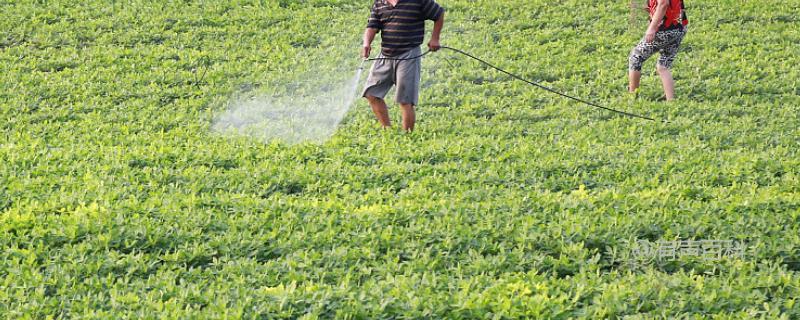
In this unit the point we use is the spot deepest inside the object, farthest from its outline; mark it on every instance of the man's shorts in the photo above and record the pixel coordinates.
(666, 43)
(403, 73)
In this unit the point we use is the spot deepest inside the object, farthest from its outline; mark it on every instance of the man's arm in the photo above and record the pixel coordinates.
(656, 20)
(437, 30)
(369, 35)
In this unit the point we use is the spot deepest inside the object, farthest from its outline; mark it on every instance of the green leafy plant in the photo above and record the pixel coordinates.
(118, 201)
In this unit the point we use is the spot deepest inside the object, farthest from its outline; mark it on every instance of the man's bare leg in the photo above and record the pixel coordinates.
(409, 116)
(380, 110)
(667, 82)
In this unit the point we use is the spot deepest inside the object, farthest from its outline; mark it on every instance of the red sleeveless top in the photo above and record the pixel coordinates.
(675, 18)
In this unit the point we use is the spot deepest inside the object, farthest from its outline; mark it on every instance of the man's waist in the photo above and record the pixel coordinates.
(395, 51)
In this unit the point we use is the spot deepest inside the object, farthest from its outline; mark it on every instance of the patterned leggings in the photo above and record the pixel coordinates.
(666, 43)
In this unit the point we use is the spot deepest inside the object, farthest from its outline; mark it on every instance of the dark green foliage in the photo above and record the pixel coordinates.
(117, 201)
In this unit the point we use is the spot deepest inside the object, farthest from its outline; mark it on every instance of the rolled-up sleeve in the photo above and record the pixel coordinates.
(375, 18)
(431, 10)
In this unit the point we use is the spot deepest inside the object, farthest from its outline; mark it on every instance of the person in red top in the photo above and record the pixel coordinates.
(665, 33)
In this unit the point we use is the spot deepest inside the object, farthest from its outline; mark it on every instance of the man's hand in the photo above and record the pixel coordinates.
(365, 51)
(437, 30)
(366, 47)
(434, 45)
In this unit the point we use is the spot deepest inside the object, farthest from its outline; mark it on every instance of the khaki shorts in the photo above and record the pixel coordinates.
(403, 73)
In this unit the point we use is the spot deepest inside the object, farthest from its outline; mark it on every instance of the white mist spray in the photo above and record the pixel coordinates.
(305, 115)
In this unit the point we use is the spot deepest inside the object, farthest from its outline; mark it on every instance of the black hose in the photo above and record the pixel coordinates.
(536, 84)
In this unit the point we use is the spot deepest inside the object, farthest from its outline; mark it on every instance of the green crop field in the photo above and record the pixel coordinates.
(118, 200)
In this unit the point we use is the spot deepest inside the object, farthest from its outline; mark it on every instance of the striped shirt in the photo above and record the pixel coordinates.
(402, 26)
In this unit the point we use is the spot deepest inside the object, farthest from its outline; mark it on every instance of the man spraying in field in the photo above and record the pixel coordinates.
(402, 27)
(664, 34)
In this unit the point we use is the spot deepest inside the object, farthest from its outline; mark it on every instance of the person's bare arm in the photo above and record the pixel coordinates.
(656, 20)
(437, 31)
(369, 35)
